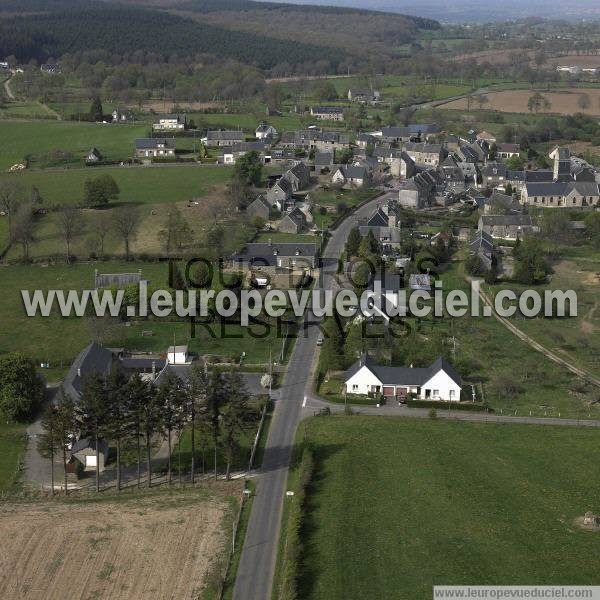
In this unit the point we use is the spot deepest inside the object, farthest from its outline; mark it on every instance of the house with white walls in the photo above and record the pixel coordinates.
(438, 382)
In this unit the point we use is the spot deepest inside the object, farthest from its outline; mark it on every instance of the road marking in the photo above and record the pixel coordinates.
(304, 403)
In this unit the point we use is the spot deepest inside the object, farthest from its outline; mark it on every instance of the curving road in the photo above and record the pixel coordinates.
(257, 563)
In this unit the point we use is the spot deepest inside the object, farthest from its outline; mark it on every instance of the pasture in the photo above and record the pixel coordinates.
(38, 138)
(141, 185)
(563, 102)
(58, 340)
(400, 505)
(165, 544)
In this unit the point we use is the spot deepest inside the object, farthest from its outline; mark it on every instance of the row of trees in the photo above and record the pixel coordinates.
(132, 411)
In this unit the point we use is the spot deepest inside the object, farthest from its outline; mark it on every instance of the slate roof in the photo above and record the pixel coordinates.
(378, 219)
(225, 135)
(507, 220)
(90, 442)
(93, 358)
(508, 148)
(538, 176)
(403, 375)
(323, 159)
(267, 254)
(419, 281)
(296, 216)
(328, 110)
(258, 146)
(151, 143)
(562, 188)
(353, 172)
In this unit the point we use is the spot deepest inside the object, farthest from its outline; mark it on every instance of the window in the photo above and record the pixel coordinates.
(354, 387)
(436, 392)
(452, 393)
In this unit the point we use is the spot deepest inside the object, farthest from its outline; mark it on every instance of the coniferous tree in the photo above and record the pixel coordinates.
(150, 422)
(137, 396)
(171, 398)
(117, 413)
(58, 428)
(92, 413)
(96, 112)
(196, 402)
(235, 417)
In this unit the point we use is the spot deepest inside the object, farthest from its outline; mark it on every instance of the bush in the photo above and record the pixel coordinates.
(432, 413)
(438, 404)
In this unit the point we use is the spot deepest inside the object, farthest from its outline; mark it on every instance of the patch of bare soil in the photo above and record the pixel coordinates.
(564, 102)
(579, 523)
(157, 547)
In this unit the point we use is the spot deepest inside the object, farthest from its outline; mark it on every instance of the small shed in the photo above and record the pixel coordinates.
(84, 450)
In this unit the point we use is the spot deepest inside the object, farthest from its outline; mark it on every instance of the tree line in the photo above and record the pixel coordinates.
(133, 411)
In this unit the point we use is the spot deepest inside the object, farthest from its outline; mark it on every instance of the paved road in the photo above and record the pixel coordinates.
(257, 564)
(315, 403)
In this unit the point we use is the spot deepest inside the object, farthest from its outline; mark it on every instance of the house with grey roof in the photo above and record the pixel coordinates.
(315, 139)
(293, 221)
(482, 246)
(221, 137)
(155, 148)
(422, 153)
(384, 224)
(173, 123)
(351, 176)
(118, 280)
(288, 255)
(298, 176)
(328, 113)
(364, 96)
(561, 194)
(265, 132)
(323, 160)
(259, 207)
(280, 194)
(506, 151)
(232, 153)
(92, 359)
(438, 382)
(508, 227)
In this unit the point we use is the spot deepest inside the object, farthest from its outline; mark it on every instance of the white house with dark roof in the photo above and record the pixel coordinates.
(265, 132)
(155, 148)
(327, 113)
(438, 382)
(170, 123)
(351, 176)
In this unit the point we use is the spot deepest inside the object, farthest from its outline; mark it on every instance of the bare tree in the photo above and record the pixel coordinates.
(126, 220)
(23, 228)
(101, 226)
(584, 102)
(11, 193)
(176, 233)
(70, 224)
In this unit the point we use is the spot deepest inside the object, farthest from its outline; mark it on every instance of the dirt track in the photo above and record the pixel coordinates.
(159, 547)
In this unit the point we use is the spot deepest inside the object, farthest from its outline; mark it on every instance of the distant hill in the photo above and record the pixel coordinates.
(259, 33)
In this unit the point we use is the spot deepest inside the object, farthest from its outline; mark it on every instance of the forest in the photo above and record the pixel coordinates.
(127, 30)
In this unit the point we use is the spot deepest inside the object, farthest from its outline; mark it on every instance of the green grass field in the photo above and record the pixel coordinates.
(144, 185)
(21, 138)
(58, 340)
(12, 446)
(397, 506)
